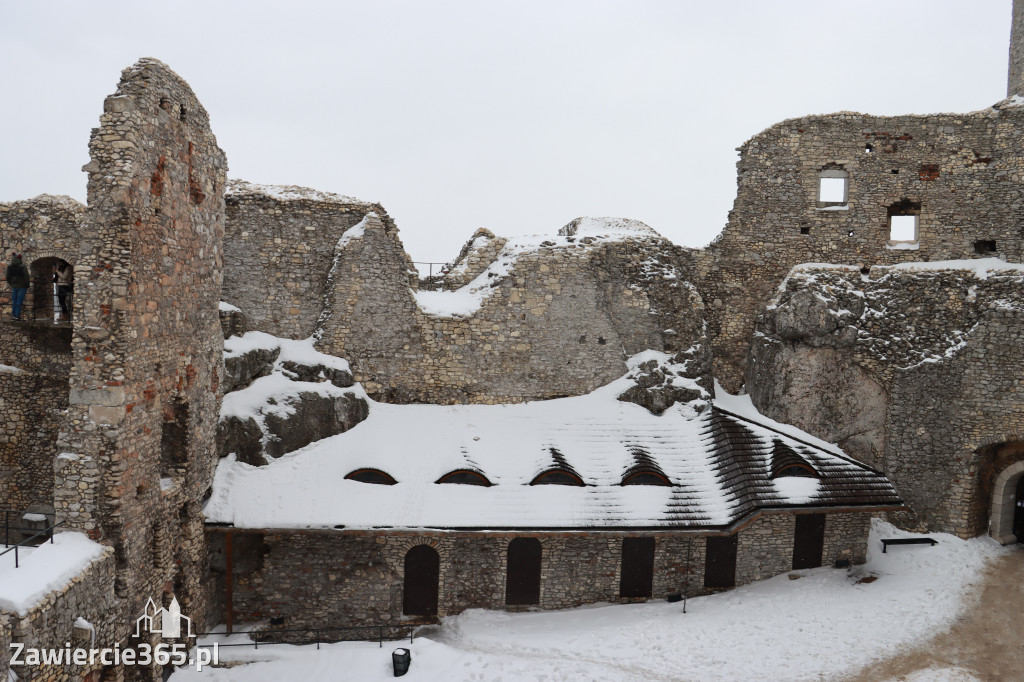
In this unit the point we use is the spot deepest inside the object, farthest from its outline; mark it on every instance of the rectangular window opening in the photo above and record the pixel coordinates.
(985, 246)
(903, 228)
(832, 190)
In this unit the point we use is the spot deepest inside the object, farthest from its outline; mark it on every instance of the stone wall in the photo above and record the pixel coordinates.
(44, 230)
(278, 249)
(336, 578)
(914, 371)
(35, 360)
(554, 319)
(963, 173)
(50, 623)
(137, 441)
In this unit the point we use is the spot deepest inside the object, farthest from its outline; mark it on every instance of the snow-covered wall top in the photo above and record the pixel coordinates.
(542, 317)
(278, 248)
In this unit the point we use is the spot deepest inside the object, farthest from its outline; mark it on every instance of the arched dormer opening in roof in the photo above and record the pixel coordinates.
(557, 477)
(646, 477)
(465, 477)
(371, 476)
(786, 462)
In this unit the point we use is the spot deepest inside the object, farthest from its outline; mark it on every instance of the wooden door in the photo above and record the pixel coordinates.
(522, 585)
(720, 562)
(637, 574)
(808, 540)
(422, 570)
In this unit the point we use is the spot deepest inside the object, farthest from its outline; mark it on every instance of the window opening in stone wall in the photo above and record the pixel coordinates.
(868, 149)
(646, 478)
(636, 577)
(833, 187)
(985, 246)
(522, 584)
(174, 437)
(557, 477)
(720, 564)
(422, 571)
(375, 476)
(904, 221)
(808, 540)
(805, 230)
(903, 228)
(464, 477)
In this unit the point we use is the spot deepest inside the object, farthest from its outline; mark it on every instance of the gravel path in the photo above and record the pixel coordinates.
(986, 641)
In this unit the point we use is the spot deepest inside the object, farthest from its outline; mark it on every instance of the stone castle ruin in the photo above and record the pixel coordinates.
(867, 290)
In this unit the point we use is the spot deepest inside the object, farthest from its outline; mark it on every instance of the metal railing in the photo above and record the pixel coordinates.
(25, 542)
(319, 636)
(433, 280)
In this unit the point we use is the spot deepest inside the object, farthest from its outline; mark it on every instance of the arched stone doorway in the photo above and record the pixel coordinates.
(42, 299)
(422, 571)
(1006, 520)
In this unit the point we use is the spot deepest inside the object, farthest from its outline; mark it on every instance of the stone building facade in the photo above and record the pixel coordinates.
(960, 177)
(309, 579)
(916, 370)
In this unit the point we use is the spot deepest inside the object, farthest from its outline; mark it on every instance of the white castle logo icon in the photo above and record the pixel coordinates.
(165, 622)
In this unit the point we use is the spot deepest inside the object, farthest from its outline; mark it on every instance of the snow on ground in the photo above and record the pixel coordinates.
(827, 624)
(43, 569)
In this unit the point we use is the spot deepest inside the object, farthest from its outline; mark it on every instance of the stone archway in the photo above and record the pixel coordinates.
(1004, 502)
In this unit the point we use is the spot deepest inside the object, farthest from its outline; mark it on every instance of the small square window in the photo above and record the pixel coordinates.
(832, 190)
(903, 228)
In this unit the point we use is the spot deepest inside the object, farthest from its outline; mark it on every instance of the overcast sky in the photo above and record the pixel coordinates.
(516, 116)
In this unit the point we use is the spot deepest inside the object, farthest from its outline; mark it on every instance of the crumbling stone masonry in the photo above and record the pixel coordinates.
(44, 230)
(137, 440)
(962, 175)
(278, 249)
(560, 321)
(915, 371)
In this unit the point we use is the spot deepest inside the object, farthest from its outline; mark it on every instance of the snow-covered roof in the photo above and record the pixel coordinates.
(719, 464)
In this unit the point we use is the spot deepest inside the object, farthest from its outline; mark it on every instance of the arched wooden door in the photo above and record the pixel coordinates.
(522, 584)
(422, 571)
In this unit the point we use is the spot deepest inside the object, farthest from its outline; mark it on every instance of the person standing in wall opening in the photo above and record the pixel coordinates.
(18, 278)
(64, 276)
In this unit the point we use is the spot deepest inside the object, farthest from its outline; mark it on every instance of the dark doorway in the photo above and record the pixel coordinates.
(720, 565)
(522, 584)
(1018, 511)
(174, 437)
(637, 575)
(42, 294)
(808, 540)
(422, 570)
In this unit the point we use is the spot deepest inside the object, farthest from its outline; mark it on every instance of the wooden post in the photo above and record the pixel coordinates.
(229, 579)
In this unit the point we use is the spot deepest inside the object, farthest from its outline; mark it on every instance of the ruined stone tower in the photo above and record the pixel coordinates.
(136, 443)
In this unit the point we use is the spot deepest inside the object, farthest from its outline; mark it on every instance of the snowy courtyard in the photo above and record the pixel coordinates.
(824, 625)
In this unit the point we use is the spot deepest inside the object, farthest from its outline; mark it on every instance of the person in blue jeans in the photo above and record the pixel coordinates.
(18, 278)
